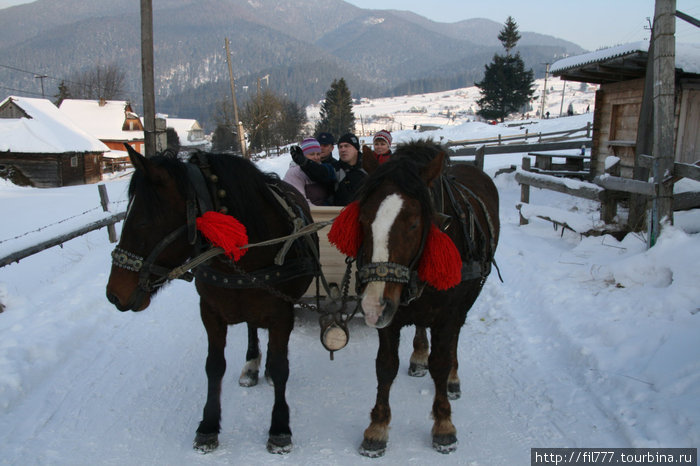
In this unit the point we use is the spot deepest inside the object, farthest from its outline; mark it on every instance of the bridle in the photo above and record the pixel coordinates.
(394, 273)
(146, 268)
(198, 200)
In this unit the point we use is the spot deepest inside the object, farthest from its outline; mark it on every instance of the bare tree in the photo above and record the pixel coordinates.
(101, 82)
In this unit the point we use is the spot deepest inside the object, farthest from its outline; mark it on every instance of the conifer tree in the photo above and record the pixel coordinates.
(336, 111)
(506, 86)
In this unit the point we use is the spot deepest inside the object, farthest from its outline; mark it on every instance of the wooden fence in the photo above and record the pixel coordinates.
(60, 239)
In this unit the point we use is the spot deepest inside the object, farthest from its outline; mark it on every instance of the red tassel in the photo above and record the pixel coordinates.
(441, 264)
(225, 232)
(345, 232)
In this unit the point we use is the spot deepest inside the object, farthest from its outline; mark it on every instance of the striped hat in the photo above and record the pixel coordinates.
(383, 134)
(310, 145)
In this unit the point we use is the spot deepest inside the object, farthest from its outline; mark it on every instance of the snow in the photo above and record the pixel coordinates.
(451, 109)
(687, 56)
(104, 121)
(46, 130)
(588, 342)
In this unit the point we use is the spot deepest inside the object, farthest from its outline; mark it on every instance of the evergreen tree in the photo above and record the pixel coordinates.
(63, 93)
(509, 35)
(336, 111)
(506, 86)
(224, 139)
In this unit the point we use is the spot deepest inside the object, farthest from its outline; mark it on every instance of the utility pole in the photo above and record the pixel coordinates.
(149, 100)
(41, 77)
(561, 106)
(544, 91)
(239, 125)
(664, 91)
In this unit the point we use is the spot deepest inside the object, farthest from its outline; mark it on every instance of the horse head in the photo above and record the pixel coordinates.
(395, 220)
(153, 239)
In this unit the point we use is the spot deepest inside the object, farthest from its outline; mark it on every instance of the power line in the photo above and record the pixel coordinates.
(36, 73)
(19, 90)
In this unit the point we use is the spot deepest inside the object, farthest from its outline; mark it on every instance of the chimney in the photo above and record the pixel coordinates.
(102, 102)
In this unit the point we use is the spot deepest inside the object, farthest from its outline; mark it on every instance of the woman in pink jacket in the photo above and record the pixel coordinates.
(315, 193)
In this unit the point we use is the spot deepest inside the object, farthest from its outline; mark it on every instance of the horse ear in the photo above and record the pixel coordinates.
(137, 160)
(369, 162)
(433, 169)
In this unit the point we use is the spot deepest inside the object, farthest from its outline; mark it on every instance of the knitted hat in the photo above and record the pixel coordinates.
(350, 139)
(383, 134)
(310, 145)
(326, 138)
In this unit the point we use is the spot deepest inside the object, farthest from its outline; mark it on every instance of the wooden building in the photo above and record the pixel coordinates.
(111, 121)
(43, 148)
(621, 71)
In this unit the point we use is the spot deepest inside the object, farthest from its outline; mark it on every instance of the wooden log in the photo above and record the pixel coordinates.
(626, 185)
(525, 190)
(19, 255)
(104, 200)
(579, 188)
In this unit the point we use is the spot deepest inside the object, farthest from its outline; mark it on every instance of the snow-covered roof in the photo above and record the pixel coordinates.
(103, 121)
(46, 131)
(183, 127)
(687, 56)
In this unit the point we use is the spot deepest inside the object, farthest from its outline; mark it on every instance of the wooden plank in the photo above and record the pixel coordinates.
(332, 261)
(686, 201)
(626, 185)
(515, 148)
(19, 255)
(578, 188)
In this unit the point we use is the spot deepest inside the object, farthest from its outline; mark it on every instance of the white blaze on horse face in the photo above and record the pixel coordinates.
(388, 211)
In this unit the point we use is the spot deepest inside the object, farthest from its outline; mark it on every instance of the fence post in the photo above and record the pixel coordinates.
(588, 130)
(524, 190)
(104, 200)
(526, 131)
(479, 156)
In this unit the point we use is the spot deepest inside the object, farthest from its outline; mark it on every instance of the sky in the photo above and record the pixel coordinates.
(592, 24)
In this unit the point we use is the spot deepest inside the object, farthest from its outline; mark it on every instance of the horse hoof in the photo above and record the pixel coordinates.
(372, 448)
(248, 379)
(417, 370)
(445, 443)
(280, 444)
(454, 391)
(205, 443)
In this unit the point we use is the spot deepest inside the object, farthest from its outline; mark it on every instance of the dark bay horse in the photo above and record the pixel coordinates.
(424, 233)
(167, 200)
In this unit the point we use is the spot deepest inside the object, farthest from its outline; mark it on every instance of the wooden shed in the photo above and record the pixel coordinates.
(621, 71)
(41, 146)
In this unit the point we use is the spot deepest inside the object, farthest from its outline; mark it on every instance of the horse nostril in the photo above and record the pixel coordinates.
(112, 298)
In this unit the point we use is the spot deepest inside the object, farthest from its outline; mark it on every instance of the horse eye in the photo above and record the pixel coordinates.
(413, 226)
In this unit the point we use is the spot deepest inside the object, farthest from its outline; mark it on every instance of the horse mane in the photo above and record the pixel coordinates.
(404, 170)
(247, 193)
(246, 188)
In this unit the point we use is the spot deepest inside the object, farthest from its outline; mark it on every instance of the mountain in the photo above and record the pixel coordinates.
(301, 45)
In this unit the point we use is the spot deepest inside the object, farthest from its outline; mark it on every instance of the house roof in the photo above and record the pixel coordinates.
(622, 62)
(183, 127)
(44, 130)
(105, 122)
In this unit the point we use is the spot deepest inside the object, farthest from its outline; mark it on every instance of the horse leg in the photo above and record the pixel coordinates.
(249, 374)
(280, 435)
(454, 390)
(439, 363)
(386, 366)
(207, 437)
(419, 357)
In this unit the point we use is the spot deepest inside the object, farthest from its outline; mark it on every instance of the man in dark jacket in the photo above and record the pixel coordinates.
(342, 177)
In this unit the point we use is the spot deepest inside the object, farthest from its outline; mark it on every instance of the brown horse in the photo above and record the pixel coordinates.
(424, 234)
(160, 233)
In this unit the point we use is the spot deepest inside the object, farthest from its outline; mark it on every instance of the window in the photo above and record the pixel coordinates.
(74, 161)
